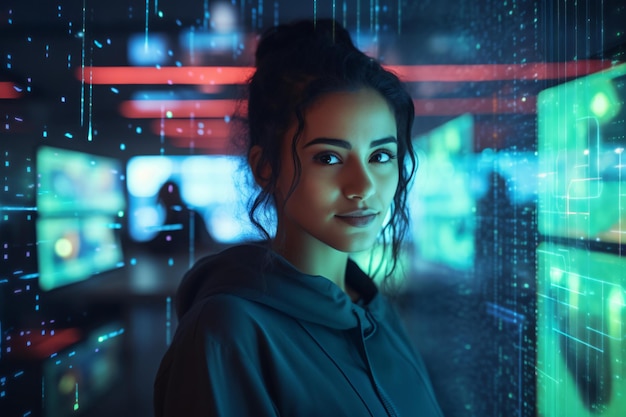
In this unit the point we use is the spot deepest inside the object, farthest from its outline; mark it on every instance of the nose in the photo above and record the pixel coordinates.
(358, 182)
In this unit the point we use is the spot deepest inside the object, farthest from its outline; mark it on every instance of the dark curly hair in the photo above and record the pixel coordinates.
(296, 64)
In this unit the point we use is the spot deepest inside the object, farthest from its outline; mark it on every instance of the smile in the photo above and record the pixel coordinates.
(358, 218)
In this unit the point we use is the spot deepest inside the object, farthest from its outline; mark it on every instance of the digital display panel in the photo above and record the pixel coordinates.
(80, 200)
(214, 186)
(581, 332)
(72, 182)
(71, 249)
(581, 274)
(442, 200)
(582, 186)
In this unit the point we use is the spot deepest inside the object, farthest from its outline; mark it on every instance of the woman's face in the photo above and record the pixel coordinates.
(349, 173)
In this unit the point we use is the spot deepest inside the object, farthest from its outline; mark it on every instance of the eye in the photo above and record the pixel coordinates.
(327, 159)
(382, 157)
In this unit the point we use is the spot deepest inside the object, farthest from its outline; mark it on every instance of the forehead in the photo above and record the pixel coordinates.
(359, 114)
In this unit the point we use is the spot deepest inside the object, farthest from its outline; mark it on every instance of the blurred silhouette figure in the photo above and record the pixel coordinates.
(183, 229)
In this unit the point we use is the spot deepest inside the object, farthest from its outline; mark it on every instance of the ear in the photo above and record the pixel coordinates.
(260, 170)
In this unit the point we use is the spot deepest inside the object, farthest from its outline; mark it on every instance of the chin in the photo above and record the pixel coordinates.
(355, 246)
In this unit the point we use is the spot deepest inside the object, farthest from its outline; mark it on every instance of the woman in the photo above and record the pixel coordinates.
(294, 327)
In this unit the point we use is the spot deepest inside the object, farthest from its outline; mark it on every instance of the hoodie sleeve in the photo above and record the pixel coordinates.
(202, 375)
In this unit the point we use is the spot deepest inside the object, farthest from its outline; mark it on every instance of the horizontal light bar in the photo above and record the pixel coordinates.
(165, 75)
(168, 110)
(192, 128)
(9, 90)
(477, 106)
(176, 109)
(409, 73)
(223, 146)
(498, 72)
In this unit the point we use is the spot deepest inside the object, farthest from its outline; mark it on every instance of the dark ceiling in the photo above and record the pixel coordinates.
(44, 44)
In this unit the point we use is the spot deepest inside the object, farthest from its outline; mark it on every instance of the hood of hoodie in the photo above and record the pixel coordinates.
(258, 274)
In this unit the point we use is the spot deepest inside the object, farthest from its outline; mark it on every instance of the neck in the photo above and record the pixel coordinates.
(316, 258)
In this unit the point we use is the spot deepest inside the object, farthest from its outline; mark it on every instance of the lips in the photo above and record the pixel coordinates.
(358, 218)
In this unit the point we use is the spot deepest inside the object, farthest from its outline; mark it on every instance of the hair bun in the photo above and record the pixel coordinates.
(303, 36)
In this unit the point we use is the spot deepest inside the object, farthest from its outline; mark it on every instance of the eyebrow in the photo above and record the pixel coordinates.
(341, 143)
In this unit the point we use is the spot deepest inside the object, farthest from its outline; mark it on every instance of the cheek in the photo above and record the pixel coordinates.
(308, 194)
(313, 191)
(390, 186)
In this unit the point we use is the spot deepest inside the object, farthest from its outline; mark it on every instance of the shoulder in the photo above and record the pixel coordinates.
(227, 319)
(232, 262)
(236, 266)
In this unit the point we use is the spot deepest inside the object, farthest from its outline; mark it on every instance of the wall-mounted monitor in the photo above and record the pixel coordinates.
(581, 267)
(80, 204)
(581, 332)
(442, 200)
(216, 187)
(581, 142)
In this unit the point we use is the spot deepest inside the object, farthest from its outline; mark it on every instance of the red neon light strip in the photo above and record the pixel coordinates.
(497, 72)
(176, 109)
(168, 110)
(9, 90)
(213, 129)
(408, 73)
(456, 106)
(42, 346)
(219, 145)
(166, 75)
(212, 136)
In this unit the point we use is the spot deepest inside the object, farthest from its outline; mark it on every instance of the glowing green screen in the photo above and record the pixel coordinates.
(581, 125)
(581, 344)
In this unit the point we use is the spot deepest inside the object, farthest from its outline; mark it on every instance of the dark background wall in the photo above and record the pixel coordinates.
(92, 347)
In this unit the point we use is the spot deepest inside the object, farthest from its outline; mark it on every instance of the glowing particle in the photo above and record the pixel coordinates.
(600, 104)
(63, 247)
(76, 397)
